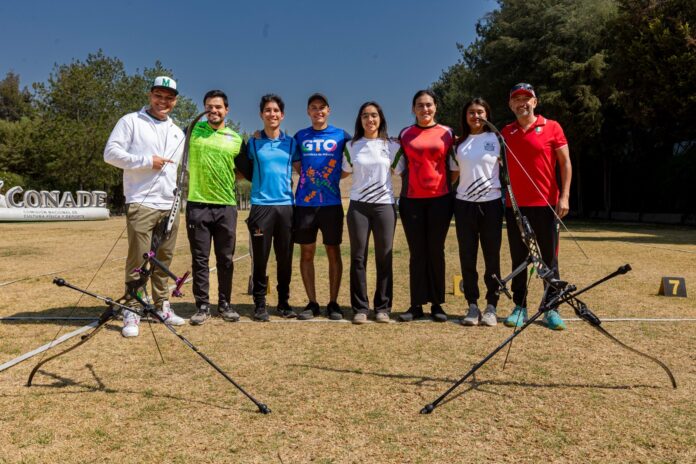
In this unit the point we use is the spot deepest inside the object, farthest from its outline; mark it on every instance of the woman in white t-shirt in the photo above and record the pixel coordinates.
(369, 157)
(478, 208)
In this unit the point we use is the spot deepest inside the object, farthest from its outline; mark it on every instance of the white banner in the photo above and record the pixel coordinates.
(53, 214)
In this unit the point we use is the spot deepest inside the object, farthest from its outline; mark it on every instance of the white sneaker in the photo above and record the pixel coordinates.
(169, 315)
(131, 323)
(472, 318)
(489, 317)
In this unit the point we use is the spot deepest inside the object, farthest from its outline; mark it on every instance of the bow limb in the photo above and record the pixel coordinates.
(105, 317)
(584, 313)
(604, 332)
(178, 192)
(526, 231)
(553, 210)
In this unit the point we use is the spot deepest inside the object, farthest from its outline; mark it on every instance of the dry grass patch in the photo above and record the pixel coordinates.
(343, 393)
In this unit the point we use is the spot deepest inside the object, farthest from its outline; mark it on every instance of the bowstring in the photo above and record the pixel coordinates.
(519, 315)
(149, 324)
(553, 210)
(507, 148)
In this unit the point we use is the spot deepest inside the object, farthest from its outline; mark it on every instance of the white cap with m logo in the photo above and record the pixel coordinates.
(165, 82)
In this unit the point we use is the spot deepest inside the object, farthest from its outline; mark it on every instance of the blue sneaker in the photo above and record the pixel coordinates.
(517, 318)
(553, 320)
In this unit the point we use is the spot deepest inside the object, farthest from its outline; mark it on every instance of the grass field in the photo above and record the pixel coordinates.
(342, 393)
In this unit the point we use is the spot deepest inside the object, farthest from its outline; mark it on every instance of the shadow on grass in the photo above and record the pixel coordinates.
(81, 312)
(650, 234)
(640, 240)
(84, 314)
(64, 382)
(473, 384)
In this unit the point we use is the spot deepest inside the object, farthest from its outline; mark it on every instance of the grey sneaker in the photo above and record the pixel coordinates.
(438, 314)
(489, 317)
(359, 318)
(261, 313)
(414, 312)
(285, 311)
(202, 315)
(333, 310)
(227, 313)
(310, 312)
(382, 316)
(473, 316)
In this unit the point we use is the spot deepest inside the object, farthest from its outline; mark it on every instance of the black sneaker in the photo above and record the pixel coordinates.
(202, 315)
(227, 313)
(311, 311)
(438, 314)
(260, 313)
(285, 311)
(414, 312)
(334, 311)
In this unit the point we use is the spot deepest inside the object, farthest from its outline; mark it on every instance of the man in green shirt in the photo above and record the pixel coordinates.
(211, 210)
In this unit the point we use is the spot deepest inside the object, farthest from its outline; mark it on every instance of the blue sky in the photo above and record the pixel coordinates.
(351, 51)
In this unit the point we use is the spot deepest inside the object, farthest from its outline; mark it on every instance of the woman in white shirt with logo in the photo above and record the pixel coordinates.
(478, 208)
(369, 157)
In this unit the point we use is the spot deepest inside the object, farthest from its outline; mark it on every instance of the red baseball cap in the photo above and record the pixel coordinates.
(522, 88)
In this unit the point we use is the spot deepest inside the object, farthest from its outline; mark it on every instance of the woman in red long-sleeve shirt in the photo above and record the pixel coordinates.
(425, 205)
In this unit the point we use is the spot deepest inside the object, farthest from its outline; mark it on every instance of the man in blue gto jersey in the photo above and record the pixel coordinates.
(318, 202)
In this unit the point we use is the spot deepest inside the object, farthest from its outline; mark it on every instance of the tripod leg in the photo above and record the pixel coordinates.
(427, 409)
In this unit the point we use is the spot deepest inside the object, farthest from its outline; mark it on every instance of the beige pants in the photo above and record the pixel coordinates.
(141, 222)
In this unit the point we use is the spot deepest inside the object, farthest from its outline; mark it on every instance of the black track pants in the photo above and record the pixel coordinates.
(380, 220)
(271, 224)
(543, 222)
(426, 221)
(479, 222)
(206, 223)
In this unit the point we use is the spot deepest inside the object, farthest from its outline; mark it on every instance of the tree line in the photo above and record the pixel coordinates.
(53, 136)
(619, 75)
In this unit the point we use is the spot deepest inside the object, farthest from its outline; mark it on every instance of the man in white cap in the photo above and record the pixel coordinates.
(148, 146)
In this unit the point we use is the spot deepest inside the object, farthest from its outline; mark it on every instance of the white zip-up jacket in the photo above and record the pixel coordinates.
(136, 138)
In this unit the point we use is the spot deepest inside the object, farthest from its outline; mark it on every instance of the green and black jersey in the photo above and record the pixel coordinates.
(212, 155)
